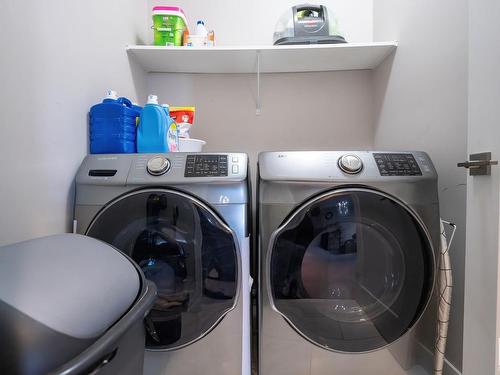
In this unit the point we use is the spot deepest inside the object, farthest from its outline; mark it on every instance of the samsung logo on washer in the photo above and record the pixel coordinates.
(107, 158)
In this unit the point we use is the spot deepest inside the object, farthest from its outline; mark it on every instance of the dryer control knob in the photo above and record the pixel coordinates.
(350, 163)
(158, 165)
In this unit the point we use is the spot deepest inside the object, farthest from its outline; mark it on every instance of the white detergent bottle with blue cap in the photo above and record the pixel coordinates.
(153, 127)
(201, 29)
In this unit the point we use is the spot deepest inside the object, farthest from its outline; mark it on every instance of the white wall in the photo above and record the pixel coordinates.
(58, 58)
(421, 103)
(252, 22)
(299, 111)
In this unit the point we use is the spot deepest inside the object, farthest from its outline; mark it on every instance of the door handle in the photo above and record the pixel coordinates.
(479, 164)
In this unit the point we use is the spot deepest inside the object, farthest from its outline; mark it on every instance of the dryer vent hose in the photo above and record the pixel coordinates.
(445, 286)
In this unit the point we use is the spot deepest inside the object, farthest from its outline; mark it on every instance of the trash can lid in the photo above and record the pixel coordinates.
(73, 284)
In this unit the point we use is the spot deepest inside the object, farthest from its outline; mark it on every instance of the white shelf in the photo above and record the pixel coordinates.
(272, 59)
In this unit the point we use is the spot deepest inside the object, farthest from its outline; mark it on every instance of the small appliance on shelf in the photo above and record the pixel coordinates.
(307, 24)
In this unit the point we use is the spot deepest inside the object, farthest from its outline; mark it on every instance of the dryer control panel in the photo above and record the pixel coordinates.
(352, 166)
(392, 164)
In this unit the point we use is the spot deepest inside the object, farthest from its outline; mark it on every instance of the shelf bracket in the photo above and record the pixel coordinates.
(258, 104)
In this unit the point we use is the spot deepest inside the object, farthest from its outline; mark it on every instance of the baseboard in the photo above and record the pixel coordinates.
(425, 358)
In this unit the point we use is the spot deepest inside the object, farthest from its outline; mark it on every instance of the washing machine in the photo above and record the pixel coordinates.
(184, 218)
(348, 249)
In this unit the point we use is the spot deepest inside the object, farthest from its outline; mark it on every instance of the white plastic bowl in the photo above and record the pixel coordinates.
(191, 145)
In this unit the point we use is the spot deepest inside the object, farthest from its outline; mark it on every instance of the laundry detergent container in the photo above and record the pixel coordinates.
(70, 304)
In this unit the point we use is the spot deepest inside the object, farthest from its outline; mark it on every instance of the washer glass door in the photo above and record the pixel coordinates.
(351, 270)
(186, 249)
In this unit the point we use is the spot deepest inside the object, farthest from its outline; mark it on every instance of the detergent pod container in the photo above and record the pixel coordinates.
(307, 24)
(112, 125)
(169, 23)
(157, 132)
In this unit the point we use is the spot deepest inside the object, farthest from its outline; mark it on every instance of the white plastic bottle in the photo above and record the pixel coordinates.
(201, 29)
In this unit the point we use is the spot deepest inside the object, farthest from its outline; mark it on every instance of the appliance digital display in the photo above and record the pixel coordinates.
(206, 166)
(397, 165)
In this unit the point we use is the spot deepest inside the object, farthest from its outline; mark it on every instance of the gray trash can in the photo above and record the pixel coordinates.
(70, 304)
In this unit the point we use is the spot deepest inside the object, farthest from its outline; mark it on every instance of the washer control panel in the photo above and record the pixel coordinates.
(206, 165)
(397, 164)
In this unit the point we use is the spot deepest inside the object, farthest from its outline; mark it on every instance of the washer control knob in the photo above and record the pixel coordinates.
(158, 165)
(350, 163)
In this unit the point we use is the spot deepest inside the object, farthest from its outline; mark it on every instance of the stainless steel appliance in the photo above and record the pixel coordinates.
(184, 219)
(348, 246)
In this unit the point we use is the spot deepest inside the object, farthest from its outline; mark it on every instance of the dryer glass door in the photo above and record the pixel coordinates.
(351, 270)
(186, 249)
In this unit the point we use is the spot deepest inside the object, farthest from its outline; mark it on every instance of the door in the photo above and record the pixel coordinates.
(186, 249)
(481, 311)
(351, 270)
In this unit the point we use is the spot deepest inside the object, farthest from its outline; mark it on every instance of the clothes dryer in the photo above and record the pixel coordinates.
(348, 244)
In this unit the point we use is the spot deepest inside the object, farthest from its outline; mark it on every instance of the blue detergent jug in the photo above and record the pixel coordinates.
(113, 124)
(156, 129)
